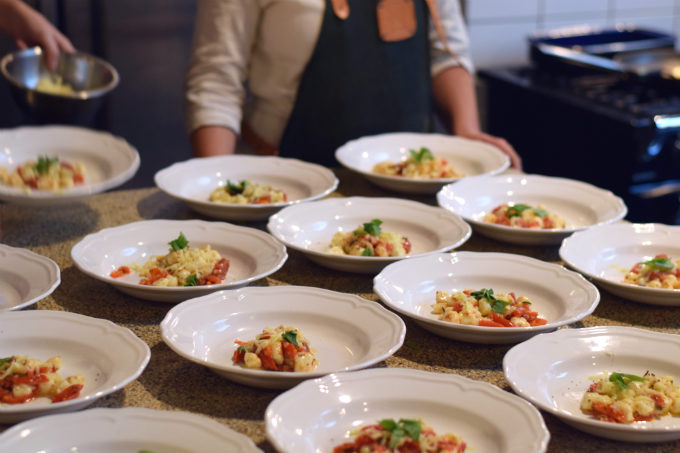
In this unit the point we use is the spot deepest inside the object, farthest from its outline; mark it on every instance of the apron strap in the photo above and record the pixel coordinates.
(434, 14)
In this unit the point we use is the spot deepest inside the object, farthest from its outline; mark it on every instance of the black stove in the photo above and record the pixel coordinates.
(617, 131)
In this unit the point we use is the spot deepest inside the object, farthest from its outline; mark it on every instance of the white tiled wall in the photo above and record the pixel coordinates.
(499, 28)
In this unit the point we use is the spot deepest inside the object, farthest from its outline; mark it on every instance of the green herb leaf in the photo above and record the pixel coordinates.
(5, 360)
(516, 210)
(542, 213)
(659, 264)
(497, 306)
(44, 163)
(191, 280)
(144, 451)
(622, 380)
(412, 428)
(235, 189)
(290, 336)
(373, 227)
(179, 243)
(421, 155)
(397, 435)
(367, 252)
(242, 349)
(388, 424)
(484, 294)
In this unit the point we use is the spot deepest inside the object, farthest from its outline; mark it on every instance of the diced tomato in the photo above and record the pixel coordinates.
(500, 320)
(123, 270)
(593, 387)
(662, 255)
(407, 245)
(78, 178)
(409, 447)
(658, 400)
(155, 273)
(538, 322)
(239, 355)
(608, 413)
(68, 393)
(266, 358)
(263, 199)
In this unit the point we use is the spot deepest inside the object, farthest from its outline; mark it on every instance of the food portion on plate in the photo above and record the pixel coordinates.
(659, 272)
(182, 266)
(46, 173)
(518, 215)
(486, 309)
(627, 398)
(23, 379)
(284, 348)
(246, 192)
(420, 164)
(369, 240)
(390, 436)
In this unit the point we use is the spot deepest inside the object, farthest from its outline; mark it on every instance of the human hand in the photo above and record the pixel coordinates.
(499, 143)
(30, 28)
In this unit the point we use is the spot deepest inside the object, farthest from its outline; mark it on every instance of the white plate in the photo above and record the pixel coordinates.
(310, 227)
(557, 294)
(582, 205)
(469, 157)
(347, 331)
(109, 160)
(108, 355)
(124, 430)
(194, 180)
(552, 372)
(488, 419)
(252, 254)
(25, 277)
(606, 253)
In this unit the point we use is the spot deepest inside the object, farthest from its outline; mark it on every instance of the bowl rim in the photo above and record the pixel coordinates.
(82, 95)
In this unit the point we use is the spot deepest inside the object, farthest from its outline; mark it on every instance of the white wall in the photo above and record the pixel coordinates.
(499, 28)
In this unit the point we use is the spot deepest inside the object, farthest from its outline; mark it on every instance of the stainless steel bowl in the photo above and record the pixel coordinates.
(90, 77)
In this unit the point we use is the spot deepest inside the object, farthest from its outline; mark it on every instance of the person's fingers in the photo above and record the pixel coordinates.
(51, 51)
(64, 43)
(21, 44)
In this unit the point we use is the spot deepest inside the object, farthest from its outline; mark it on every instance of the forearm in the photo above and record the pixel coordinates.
(454, 91)
(213, 141)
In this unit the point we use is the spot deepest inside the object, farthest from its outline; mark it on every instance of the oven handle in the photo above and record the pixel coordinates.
(667, 121)
(565, 53)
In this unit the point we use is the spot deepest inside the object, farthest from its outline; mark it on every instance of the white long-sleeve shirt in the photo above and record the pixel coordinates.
(267, 44)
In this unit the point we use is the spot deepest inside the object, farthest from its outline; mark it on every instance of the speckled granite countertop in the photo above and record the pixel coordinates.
(172, 383)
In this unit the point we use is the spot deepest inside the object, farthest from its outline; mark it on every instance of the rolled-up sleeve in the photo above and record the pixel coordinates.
(214, 84)
(456, 35)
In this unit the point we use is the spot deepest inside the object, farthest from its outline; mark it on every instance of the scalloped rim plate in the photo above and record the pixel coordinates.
(309, 228)
(606, 253)
(193, 181)
(472, 158)
(559, 295)
(109, 160)
(17, 265)
(348, 332)
(552, 371)
(487, 418)
(128, 429)
(581, 204)
(253, 254)
(108, 355)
